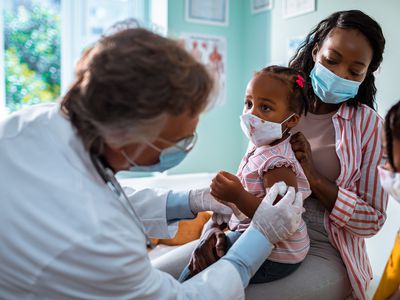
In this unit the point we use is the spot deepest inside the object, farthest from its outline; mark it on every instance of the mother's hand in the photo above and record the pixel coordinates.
(322, 188)
(302, 150)
(212, 246)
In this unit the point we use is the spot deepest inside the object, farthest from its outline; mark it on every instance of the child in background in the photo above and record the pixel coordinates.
(389, 286)
(275, 99)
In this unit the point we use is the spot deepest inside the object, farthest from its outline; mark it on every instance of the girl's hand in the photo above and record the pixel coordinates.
(302, 150)
(227, 187)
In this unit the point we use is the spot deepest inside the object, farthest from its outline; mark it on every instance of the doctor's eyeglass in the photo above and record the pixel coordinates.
(185, 145)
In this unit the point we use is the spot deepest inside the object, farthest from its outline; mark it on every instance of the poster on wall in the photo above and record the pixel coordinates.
(210, 12)
(292, 8)
(258, 6)
(293, 44)
(212, 52)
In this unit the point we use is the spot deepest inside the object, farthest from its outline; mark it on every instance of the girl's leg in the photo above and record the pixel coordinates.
(271, 271)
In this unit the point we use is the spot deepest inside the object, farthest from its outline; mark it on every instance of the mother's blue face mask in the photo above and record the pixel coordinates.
(331, 88)
(169, 157)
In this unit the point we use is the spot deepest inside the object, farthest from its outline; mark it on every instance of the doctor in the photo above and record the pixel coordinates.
(68, 230)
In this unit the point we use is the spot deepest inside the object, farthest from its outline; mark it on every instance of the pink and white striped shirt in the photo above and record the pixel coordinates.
(359, 211)
(255, 163)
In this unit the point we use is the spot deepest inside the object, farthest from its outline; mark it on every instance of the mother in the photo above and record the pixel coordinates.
(338, 146)
(338, 143)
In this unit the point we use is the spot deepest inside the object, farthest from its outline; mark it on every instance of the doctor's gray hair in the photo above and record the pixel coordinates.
(128, 83)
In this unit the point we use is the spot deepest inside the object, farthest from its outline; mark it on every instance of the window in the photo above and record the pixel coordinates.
(31, 52)
(40, 41)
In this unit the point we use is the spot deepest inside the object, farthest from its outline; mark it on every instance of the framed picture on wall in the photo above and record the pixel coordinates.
(293, 8)
(211, 51)
(257, 6)
(210, 12)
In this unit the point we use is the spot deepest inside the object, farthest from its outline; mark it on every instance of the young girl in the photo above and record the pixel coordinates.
(275, 99)
(389, 287)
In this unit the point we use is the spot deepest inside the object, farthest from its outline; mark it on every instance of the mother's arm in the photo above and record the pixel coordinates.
(359, 209)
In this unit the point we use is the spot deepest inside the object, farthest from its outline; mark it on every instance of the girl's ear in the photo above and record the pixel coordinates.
(293, 121)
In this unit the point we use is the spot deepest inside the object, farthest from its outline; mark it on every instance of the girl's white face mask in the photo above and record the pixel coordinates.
(261, 132)
(390, 182)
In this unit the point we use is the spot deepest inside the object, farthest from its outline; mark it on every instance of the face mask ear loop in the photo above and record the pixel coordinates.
(131, 162)
(288, 118)
(153, 147)
(284, 121)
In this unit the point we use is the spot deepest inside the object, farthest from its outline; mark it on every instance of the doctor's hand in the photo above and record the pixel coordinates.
(278, 222)
(202, 200)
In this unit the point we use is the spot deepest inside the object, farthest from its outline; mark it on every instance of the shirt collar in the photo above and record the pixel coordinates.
(345, 112)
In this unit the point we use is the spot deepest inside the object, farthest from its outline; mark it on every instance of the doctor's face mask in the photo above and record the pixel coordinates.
(169, 157)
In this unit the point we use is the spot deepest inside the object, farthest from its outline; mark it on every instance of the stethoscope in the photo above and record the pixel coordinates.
(108, 177)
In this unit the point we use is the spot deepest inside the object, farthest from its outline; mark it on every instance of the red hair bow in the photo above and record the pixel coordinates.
(300, 81)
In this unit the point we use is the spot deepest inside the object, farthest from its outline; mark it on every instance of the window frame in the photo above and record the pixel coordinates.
(2, 70)
(73, 20)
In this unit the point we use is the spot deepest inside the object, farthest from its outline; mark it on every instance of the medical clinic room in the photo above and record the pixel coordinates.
(199, 149)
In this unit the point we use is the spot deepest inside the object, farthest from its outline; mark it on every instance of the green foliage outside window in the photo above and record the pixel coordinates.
(32, 38)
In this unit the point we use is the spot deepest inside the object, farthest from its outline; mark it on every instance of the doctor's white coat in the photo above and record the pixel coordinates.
(65, 235)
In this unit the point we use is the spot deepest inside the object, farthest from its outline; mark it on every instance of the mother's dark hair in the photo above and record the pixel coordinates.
(350, 19)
